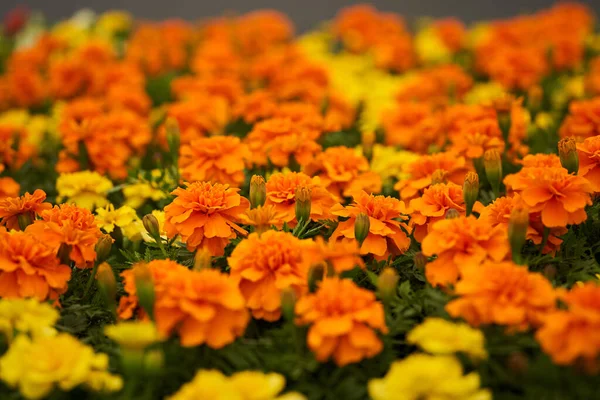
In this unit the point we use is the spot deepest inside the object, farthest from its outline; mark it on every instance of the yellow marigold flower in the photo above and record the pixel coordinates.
(35, 125)
(431, 48)
(133, 335)
(108, 218)
(425, 377)
(245, 385)
(137, 194)
(113, 22)
(439, 336)
(27, 316)
(38, 366)
(85, 189)
(390, 163)
(484, 93)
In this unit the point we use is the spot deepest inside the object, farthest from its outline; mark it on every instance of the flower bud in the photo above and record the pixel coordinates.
(64, 253)
(549, 271)
(24, 220)
(151, 225)
(303, 203)
(103, 247)
(569, 158)
(517, 362)
(107, 284)
(362, 225)
(368, 140)
(288, 303)
(503, 106)
(439, 176)
(173, 133)
(144, 287)
(470, 190)
(420, 260)
(535, 96)
(315, 275)
(387, 284)
(452, 213)
(492, 161)
(258, 191)
(517, 231)
(154, 361)
(202, 259)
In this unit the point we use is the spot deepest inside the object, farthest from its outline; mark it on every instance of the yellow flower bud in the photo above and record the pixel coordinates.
(144, 287)
(202, 259)
(64, 253)
(368, 140)
(362, 225)
(303, 204)
(173, 133)
(387, 284)
(288, 303)
(470, 190)
(24, 220)
(492, 161)
(258, 191)
(535, 96)
(569, 158)
(154, 361)
(103, 247)
(517, 231)
(439, 176)
(452, 213)
(151, 225)
(315, 275)
(107, 282)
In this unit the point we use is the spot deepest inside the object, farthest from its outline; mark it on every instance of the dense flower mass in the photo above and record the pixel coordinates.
(231, 208)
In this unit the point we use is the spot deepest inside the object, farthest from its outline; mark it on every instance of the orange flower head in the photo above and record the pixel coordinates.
(433, 205)
(560, 197)
(203, 307)
(461, 244)
(571, 334)
(504, 294)
(264, 265)
(198, 117)
(438, 85)
(414, 126)
(255, 106)
(421, 171)
(216, 159)
(206, 215)
(30, 268)
(28, 206)
(452, 32)
(71, 226)
(541, 161)
(262, 218)
(477, 137)
(583, 119)
(281, 194)
(343, 172)
(8, 187)
(344, 320)
(386, 233)
(339, 255)
(589, 161)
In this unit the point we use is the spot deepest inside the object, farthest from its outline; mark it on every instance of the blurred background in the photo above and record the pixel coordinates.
(305, 13)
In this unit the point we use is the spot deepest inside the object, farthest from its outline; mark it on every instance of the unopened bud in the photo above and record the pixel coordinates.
(315, 275)
(202, 259)
(420, 260)
(64, 253)
(368, 140)
(258, 191)
(103, 247)
(517, 362)
(107, 284)
(154, 361)
(362, 225)
(470, 191)
(452, 213)
(144, 287)
(173, 133)
(535, 96)
(549, 271)
(24, 220)
(151, 225)
(503, 106)
(569, 158)
(517, 231)
(387, 284)
(492, 161)
(439, 176)
(288, 303)
(303, 203)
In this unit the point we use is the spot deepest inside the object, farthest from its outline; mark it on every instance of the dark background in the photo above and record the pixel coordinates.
(304, 13)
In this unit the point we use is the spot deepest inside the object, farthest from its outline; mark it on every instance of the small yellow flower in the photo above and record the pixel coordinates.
(438, 336)
(109, 217)
(431, 48)
(425, 377)
(39, 366)
(135, 335)
(389, 163)
(485, 93)
(137, 194)
(113, 22)
(86, 189)
(27, 316)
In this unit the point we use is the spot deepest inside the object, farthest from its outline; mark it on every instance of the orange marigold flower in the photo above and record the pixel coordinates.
(28, 205)
(26, 87)
(437, 85)
(30, 267)
(541, 161)
(8, 187)
(461, 244)
(202, 306)
(386, 234)
(279, 139)
(477, 137)
(71, 226)
(281, 194)
(343, 172)
(414, 126)
(197, 118)
(589, 161)
(421, 170)
(504, 294)
(339, 255)
(344, 320)
(340, 114)
(262, 218)
(15, 149)
(583, 119)
(254, 106)
(68, 77)
(264, 265)
(432, 206)
(567, 335)
(261, 30)
(452, 32)
(560, 197)
(205, 215)
(216, 159)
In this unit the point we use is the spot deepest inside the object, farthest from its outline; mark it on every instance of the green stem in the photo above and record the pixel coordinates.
(91, 279)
